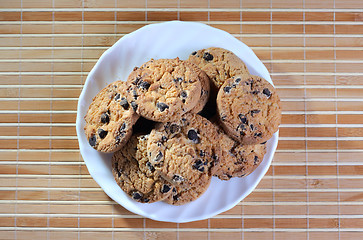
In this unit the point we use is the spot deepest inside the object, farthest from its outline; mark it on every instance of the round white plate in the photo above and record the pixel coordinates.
(167, 40)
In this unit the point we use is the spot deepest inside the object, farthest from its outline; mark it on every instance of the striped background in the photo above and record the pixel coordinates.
(313, 50)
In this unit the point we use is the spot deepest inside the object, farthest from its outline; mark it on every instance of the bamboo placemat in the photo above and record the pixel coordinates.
(313, 50)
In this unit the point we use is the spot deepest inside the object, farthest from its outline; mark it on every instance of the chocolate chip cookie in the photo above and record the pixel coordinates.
(164, 89)
(238, 160)
(219, 64)
(135, 175)
(249, 109)
(110, 118)
(184, 152)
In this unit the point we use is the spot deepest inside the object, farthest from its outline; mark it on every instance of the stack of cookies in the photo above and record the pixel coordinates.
(175, 124)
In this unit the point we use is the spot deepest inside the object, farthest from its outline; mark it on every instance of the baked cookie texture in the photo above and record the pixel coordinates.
(135, 175)
(164, 89)
(249, 109)
(205, 90)
(219, 64)
(180, 196)
(184, 152)
(110, 118)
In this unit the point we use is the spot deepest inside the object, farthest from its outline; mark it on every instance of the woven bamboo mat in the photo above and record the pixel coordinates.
(313, 50)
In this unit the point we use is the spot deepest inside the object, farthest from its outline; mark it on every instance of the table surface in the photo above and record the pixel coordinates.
(313, 50)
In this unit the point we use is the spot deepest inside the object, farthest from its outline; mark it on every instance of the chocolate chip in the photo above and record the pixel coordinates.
(146, 200)
(161, 106)
(201, 153)
(229, 176)
(105, 118)
(193, 136)
(158, 157)
(207, 56)
(258, 134)
(92, 140)
(144, 85)
(117, 97)
(150, 166)
(264, 142)
(177, 178)
(164, 139)
(136, 195)
(174, 128)
(237, 80)
(123, 126)
(241, 126)
(256, 160)
(255, 112)
(183, 94)
(102, 133)
(176, 197)
(195, 52)
(199, 165)
(251, 126)
(179, 79)
(134, 105)
(134, 94)
(165, 188)
(255, 92)
(267, 92)
(223, 117)
(118, 173)
(124, 103)
(227, 89)
(242, 118)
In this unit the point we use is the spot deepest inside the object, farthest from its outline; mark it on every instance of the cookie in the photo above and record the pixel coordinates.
(110, 118)
(164, 89)
(184, 152)
(204, 94)
(238, 160)
(219, 64)
(182, 196)
(135, 175)
(249, 109)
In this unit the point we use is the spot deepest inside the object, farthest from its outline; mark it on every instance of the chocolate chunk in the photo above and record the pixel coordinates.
(134, 105)
(158, 157)
(105, 118)
(267, 92)
(164, 139)
(102, 133)
(243, 118)
(193, 136)
(195, 52)
(150, 166)
(183, 94)
(177, 178)
(227, 89)
(117, 97)
(179, 79)
(255, 112)
(258, 134)
(199, 165)
(174, 128)
(92, 140)
(144, 85)
(255, 161)
(165, 188)
(161, 106)
(123, 126)
(136, 195)
(207, 56)
(124, 103)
